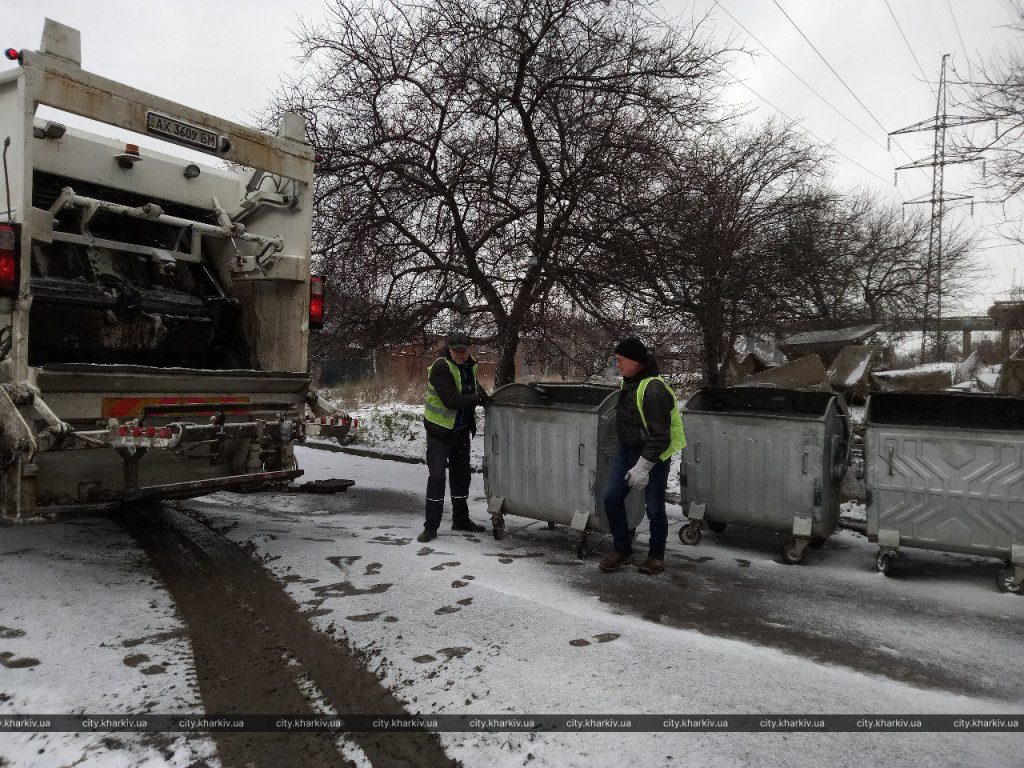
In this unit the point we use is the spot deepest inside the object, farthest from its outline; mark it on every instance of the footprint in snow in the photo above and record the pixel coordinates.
(442, 566)
(424, 659)
(604, 637)
(743, 563)
(340, 561)
(373, 569)
(465, 601)
(11, 661)
(455, 653)
(446, 610)
(457, 584)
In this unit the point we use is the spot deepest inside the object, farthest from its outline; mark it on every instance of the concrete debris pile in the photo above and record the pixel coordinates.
(844, 361)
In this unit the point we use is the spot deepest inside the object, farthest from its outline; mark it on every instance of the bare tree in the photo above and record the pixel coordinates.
(847, 259)
(997, 98)
(702, 238)
(464, 141)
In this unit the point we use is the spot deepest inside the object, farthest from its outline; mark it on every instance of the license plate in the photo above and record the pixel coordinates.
(185, 133)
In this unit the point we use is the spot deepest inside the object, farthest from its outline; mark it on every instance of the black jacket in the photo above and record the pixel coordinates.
(444, 383)
(658, 404)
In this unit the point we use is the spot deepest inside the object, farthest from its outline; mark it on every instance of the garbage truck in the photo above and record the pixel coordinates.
(155, 305)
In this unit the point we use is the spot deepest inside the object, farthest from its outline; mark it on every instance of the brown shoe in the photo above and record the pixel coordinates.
(651, 566)
(614, 561)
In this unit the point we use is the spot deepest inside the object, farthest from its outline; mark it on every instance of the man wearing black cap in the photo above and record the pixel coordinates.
(449, 417)
(650, 431)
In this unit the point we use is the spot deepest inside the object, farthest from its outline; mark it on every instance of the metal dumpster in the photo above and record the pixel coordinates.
(547, 452)
(764, 458)
(945, 472)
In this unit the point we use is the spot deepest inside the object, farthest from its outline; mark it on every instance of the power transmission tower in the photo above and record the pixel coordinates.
(938, 162)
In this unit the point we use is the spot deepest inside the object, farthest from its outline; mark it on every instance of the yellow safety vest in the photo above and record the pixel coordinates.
(434, 411)
(678, 436)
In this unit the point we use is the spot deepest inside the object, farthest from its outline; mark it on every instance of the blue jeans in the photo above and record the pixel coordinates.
(654, 495)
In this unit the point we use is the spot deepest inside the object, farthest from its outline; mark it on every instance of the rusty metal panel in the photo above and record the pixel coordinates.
(549, 457)
(946, 472)
(763, 457)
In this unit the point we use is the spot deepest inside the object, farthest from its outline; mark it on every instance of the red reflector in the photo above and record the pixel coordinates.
(151, 432)
(165, 433)
(122, 431)
(316, 301)
(136, 431)
(316, 311)
(8, 259)
(13, 54)
(323, 419)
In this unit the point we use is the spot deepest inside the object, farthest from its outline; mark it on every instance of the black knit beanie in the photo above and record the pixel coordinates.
(634, 349)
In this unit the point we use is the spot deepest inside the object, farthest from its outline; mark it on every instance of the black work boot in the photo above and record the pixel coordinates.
(460, 517)
(427, 535)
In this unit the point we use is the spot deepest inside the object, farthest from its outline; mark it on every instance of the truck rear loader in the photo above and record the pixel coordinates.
(154, 309)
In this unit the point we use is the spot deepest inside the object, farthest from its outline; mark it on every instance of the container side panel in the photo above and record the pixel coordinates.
(950, 490)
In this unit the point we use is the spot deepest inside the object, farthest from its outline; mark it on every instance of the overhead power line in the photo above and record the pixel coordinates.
(828, 103)
(809, 131)
(831, 68)
(909, 47)
(834, 72)
(956, 24)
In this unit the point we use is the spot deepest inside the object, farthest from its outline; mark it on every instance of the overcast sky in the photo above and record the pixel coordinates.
(226, 56)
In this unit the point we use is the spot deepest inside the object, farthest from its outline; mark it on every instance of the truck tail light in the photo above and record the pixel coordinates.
(316, 301)
(8, 260)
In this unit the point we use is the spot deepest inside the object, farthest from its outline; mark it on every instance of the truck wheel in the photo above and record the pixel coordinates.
(790, 554)
(690, 534)
(716, 526)
(1005, 581)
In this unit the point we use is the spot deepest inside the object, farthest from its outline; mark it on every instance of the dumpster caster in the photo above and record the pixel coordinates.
(690, 534)
(793, 551)
(715, 526)
(884, 561)
(817, 542)
(583, 548)
(551, 526)
(498, 527)
(1008, 581)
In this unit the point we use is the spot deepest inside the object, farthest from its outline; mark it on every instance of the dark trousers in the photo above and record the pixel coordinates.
(452, 453)
(654, 495)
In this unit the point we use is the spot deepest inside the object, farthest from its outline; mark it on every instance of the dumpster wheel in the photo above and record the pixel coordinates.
(716, 526)
(1006, 581)
(884, 561)
(691, 534)
(793, 551)
(583, 548)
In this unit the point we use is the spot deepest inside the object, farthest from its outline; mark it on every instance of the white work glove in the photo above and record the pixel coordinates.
(638, 476)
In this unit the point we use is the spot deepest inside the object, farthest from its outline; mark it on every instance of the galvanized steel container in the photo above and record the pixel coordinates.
(548, 450)
(766, 458)
(945, 471)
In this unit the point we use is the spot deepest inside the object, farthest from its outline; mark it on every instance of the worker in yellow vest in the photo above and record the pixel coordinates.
(449, 417)
(650, 431)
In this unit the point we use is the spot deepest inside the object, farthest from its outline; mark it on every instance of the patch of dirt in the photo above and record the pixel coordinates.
(239, 619)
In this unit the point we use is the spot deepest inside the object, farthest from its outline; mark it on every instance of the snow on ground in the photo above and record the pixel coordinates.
(469, 625)
(86, 628)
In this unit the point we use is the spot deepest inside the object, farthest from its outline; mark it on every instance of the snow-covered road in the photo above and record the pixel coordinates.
(466, 624)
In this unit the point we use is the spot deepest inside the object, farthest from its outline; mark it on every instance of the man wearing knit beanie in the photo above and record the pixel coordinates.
(650, 431)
